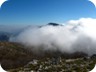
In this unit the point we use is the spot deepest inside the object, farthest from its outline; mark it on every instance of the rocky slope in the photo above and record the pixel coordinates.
(15, 57)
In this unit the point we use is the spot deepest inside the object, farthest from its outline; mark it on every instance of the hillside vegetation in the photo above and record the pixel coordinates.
(15, 57)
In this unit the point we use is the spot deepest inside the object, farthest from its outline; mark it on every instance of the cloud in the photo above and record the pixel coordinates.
(74, 35)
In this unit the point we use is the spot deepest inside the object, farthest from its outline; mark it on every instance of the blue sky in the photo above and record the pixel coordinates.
(38, 12)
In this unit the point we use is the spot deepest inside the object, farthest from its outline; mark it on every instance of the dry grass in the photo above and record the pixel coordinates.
(13, 55)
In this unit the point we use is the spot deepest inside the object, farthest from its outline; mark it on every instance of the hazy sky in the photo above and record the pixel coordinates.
(37, 12)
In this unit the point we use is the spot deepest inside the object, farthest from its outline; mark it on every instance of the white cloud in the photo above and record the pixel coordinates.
(75, 35)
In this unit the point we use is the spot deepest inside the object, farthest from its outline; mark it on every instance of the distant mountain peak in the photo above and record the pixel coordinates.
(54, 24)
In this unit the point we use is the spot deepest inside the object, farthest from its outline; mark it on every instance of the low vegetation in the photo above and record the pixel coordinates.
(15, 57)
